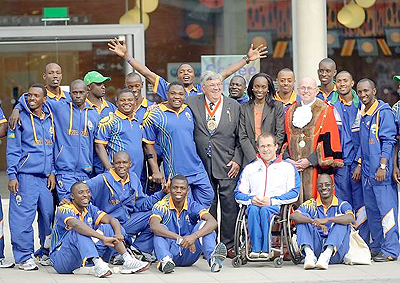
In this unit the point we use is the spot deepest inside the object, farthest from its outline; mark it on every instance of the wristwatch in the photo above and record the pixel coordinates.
(383, 166)
(179, 240)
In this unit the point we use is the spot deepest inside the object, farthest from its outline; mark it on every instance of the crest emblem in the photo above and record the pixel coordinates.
(188, 116)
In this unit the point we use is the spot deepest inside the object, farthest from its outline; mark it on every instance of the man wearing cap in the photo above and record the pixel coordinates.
(96, 92)
(396, 113)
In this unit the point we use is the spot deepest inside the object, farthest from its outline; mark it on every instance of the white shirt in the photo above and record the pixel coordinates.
(218, 113)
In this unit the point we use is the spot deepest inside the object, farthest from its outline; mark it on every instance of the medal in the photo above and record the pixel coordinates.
(302, 143)
(211, 125)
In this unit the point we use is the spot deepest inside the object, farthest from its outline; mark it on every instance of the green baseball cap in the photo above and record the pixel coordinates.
(396, 78)
(95, 77)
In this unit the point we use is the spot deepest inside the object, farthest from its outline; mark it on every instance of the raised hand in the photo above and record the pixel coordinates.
(257, 53)
(115, 46)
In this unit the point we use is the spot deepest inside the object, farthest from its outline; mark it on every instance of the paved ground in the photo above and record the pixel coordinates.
(252, 272)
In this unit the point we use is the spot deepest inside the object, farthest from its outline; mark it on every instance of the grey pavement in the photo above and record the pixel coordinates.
(199, 272)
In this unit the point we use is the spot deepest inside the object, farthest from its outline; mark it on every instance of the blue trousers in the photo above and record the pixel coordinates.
(201, 189)
(381, 204)
(65, 181)
(77, 248)
(259, 221)
(338, 237)
(352, 192)
(33, 195)
(1, 231)
(138, 225)
(183, 257)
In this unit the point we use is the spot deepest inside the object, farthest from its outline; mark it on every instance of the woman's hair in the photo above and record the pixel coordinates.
(269, 98)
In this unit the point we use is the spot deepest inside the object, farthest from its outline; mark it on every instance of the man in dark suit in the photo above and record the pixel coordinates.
(216, 134)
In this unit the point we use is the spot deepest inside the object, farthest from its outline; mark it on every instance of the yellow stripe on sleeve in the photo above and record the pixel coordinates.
(68, 218)
(155, 86)
(147, 141)
(203, 212)
(99, 218)
(156, 215)
(2, 121)
(101, 142)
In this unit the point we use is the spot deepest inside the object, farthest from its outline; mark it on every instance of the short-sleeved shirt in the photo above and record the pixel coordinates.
(326, 96)
(120, 133)
(161, 88)
(91, 215)
(142, 109)
(105, 109)
(174, 133)
(315, 209)
(396, 113)
(182, 222)
(2, 117)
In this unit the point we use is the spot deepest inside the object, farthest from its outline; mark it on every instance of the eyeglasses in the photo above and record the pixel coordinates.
(305, 88)
(217, 85)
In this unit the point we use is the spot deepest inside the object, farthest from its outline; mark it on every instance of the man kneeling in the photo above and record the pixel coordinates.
(180, 237)
(75, 240)
(323, 226)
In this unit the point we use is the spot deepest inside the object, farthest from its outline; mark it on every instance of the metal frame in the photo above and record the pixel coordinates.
(134, 36)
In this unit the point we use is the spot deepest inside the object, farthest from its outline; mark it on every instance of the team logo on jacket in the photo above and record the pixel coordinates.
(18, 199)
(373, 129)
(188, 116)
(51, 131)
(90, 125)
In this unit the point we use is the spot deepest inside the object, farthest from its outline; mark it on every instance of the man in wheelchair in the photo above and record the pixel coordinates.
(264, 185)
(323, 226)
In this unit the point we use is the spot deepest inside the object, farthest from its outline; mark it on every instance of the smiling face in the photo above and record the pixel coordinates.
(267, 148)
(52, 75)
(213, 90)
(185, 74)
(237, 87)
(366, 93)
(326, 72)
(35, 98)
(80, 195)
(176, 97)
(260, 88)
(121, 164)
(325, 186)
(126, 103)
(285, 82)
(344, 83)
(179, 189)
(307, 90)
(135, 84)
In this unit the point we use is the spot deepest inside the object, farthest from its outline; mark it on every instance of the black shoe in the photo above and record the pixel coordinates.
(381, 257)
(374, 253)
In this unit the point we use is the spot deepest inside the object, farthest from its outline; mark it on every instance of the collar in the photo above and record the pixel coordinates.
(327, 94)
(172, 205)
(104, 104)
(118, 178)
(143, 104)
(163, 107)
(208, 101)
(292, 98)
(53, 95)
(344, 101)
(371, 110)
(335, 202)
(77, 212)
(123, 116)
(188, 90)
(309, 104)
(277, 159)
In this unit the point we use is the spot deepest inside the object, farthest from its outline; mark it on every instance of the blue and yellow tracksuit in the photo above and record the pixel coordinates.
(184, 223)
(377, 139)
(74, 148)
(70, 249)
(326, 96)
(104, 110)
(338, 235)
(161, 88)
(348, 117)
(126, 201)
(173, 131)
(30, 160)
(396, 113)
(2, 121)
(293, 98)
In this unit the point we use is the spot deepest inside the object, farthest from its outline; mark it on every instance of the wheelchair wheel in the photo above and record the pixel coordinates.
(278, 262)
(289, 232)
(240, 236)
(236, 261)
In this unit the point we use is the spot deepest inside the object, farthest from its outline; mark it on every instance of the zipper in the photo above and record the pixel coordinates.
(26, 159)
(59, 153)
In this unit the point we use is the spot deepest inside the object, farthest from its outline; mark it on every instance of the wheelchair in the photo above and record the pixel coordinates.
(281, 227)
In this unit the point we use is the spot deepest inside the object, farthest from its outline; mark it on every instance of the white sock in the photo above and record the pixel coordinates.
(126, 256)
(97, 260)
(308, 251)
(328, 251)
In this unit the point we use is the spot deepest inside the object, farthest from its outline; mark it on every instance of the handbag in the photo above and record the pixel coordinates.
(358, 251)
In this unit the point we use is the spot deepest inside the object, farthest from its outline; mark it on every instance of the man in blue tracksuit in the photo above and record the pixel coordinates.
(75, 127)
(30, 169)
(377, 141)
(118, 192)
(348, 114)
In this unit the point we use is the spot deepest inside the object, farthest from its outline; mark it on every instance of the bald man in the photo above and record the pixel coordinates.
(313, 137)
(326, 72)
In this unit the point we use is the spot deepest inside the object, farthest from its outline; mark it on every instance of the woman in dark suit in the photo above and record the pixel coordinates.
(261, 114)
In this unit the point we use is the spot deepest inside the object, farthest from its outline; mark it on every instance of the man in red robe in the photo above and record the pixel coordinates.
(313, 137)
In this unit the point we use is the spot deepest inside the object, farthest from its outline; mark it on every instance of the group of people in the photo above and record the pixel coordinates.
(109, 179)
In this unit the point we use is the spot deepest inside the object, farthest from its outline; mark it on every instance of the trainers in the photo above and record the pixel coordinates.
(87, 270)
(28, 265)
(323, 262)
(118, 260)
(102, 270)
(217, 257)
(254, 255)
(264, 255)
(166, 265)
(134, 265)
(6, 263)
(45, 260)
(309, 262)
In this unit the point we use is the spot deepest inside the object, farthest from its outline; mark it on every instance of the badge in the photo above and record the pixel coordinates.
(302, 143)
(211, 125)
(18, 199)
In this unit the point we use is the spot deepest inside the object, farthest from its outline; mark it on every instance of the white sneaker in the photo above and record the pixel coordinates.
(264, 255)
(166, 265)
(323, 261)
(87, 270)
(217, 257)
(118, 260)
(309, 262)
(254, 255)
(6, 263)
(102, 270)
(45, 260)
(134, 265)
(28, 265)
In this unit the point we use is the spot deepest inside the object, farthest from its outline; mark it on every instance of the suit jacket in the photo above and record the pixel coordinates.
(273, 121)
(225, 145)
